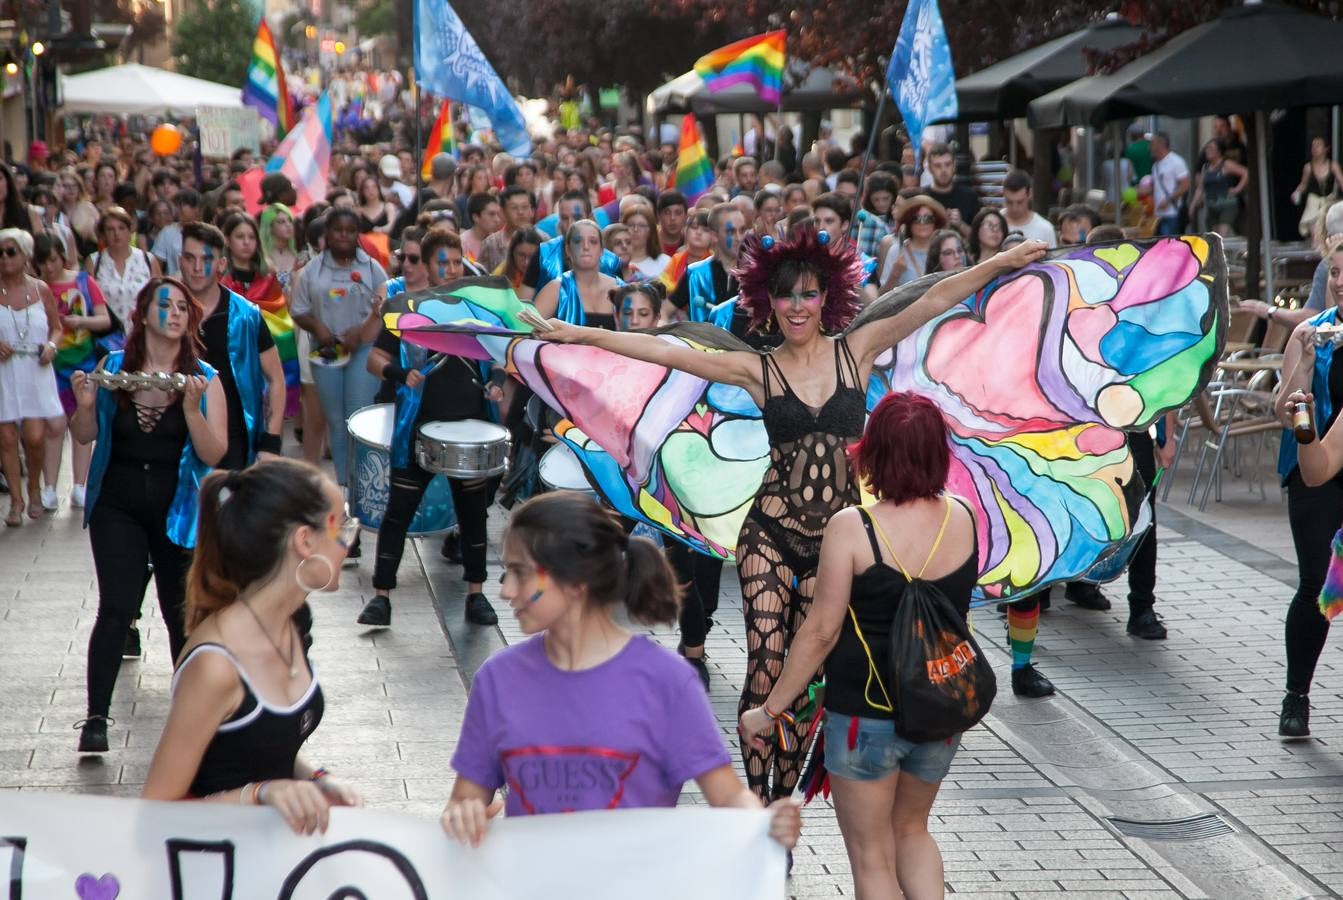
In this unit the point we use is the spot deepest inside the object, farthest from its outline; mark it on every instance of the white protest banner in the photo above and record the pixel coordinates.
(99, 848)
(224, 130)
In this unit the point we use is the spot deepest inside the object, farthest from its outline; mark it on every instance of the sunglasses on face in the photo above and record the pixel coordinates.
(347, 532)
(411, 259)
(11, 251)
(923, 219)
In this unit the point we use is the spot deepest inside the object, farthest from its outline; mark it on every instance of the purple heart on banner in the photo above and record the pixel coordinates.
(90, 888)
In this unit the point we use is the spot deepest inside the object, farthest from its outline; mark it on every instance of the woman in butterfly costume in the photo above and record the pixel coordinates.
(811, 391)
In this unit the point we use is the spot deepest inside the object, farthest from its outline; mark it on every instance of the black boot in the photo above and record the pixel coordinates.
(1028, 681)
(1295, 719)
(377, 613)
(93, 734)
(1086, 595)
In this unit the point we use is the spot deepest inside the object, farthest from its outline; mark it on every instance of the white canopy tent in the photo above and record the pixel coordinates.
(133, 89)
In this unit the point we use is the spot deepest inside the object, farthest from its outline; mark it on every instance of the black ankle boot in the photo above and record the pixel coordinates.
(93, 734)
(1295, 719)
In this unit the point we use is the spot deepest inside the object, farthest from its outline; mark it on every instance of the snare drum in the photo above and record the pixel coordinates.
(371, 476)
(468, 448)
(560, 470)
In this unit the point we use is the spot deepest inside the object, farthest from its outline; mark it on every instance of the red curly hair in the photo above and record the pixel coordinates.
(764, 264)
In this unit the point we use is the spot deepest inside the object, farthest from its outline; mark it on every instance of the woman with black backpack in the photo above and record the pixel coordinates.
(903, 675)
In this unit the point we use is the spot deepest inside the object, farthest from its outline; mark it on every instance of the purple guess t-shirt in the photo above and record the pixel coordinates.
(625, 734)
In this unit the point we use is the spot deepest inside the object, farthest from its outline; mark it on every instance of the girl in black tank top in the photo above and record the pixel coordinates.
(244, 677)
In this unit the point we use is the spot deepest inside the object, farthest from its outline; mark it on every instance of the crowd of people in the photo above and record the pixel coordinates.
(114, 261)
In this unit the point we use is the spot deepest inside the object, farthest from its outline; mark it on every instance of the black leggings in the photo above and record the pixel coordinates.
(701, 575)
(128, 531)
(1142, 567)
(471, 499)
(1314, 513)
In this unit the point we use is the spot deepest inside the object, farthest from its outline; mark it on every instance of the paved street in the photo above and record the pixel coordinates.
(1154, 733)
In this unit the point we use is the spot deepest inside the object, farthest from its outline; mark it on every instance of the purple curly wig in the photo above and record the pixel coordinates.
(839, 272)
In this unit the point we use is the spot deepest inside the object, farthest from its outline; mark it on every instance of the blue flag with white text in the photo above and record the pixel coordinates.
(448, 62)
(921, 78)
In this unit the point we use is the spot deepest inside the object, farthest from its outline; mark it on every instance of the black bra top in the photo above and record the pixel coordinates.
(788, 419)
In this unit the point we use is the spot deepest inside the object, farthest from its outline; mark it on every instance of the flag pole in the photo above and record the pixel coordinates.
(867, 156)
(778, 127)
(419, 138)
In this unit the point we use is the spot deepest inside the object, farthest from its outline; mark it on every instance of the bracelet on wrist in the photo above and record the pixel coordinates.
(783, 732)
(256, 792)
(318, 774)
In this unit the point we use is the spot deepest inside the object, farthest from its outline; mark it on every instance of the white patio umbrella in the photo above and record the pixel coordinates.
(133, 89)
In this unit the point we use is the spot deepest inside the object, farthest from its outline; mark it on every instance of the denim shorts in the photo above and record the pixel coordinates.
(880, 752)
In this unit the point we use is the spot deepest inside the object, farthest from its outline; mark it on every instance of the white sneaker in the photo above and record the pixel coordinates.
(50, 502)
(77, 496)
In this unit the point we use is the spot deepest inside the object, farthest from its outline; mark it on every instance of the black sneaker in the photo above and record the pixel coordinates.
(1147, 625)
(479, 611)
(1087, 596)
(1295, 719)
(1028, 681)
(93, 734)
(131, 648)
(352, 555)
(377, 613)
(452, 547)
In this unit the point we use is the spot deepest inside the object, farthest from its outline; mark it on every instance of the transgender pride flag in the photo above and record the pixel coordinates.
(305, 154)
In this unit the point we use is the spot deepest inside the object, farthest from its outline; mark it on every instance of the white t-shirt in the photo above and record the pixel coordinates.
(651, 267)
(1037, 229)
(1166, 175)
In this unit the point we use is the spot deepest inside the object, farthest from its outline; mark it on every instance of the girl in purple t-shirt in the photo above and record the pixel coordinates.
(585, 715)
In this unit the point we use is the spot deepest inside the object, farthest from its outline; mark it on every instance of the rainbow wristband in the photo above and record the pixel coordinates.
(318, 774)
(783, 732)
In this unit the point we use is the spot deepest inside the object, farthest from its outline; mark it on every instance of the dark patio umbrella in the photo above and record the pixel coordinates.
(1004, 89)
(1256, 57)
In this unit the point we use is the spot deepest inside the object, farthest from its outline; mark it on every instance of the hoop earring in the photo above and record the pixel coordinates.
(330, 574)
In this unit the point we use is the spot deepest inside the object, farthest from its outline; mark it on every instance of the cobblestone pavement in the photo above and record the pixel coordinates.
(1147, 732)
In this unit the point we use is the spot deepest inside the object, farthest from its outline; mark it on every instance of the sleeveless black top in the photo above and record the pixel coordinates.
(875, 593)
(259, 742)
(808, 478)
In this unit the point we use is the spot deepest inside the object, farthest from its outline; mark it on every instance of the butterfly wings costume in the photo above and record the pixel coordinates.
(1038, 375)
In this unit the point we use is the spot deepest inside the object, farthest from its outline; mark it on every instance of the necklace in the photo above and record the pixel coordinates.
(21, 333)
(293, 667)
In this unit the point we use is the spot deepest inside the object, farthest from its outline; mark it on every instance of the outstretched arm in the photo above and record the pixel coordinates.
(876, 337)
(736, 367)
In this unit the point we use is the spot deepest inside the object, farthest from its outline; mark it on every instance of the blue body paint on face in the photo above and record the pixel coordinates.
(442, 263)
(729, 235)
(165, 303)
(209, 263)
(626, 313)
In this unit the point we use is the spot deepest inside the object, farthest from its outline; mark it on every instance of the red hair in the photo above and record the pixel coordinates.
(903, 454)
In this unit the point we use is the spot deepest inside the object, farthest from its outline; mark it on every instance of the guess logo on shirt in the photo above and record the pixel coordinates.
(564, 779)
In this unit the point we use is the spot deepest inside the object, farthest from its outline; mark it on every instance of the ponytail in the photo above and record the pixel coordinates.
(652, 596)
(245, 521)
(579, 543)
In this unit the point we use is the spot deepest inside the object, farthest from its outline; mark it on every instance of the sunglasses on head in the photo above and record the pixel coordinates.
(11, 251)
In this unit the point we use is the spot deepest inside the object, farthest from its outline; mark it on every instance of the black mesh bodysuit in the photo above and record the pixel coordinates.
(780, 542)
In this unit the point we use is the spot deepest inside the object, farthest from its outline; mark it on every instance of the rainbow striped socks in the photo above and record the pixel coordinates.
(1023, 624)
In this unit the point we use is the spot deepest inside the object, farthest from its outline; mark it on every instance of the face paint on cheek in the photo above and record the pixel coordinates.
(208, 264)
(442, 264)
(729, 235)
(626, 313)
(540, 587)
(165, 302)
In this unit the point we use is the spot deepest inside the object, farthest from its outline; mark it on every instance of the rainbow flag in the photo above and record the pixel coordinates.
(757, 61)
(264, 88)
(1331, 595)
(442, 139)
(694, 173)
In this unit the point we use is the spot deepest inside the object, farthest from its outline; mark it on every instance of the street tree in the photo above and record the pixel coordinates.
(213, 40)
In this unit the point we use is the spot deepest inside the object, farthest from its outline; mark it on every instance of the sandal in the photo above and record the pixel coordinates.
(35, 510)
(15, 517)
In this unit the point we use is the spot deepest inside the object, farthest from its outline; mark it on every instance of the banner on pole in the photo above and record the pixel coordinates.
(100, 848)
(224, 130)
